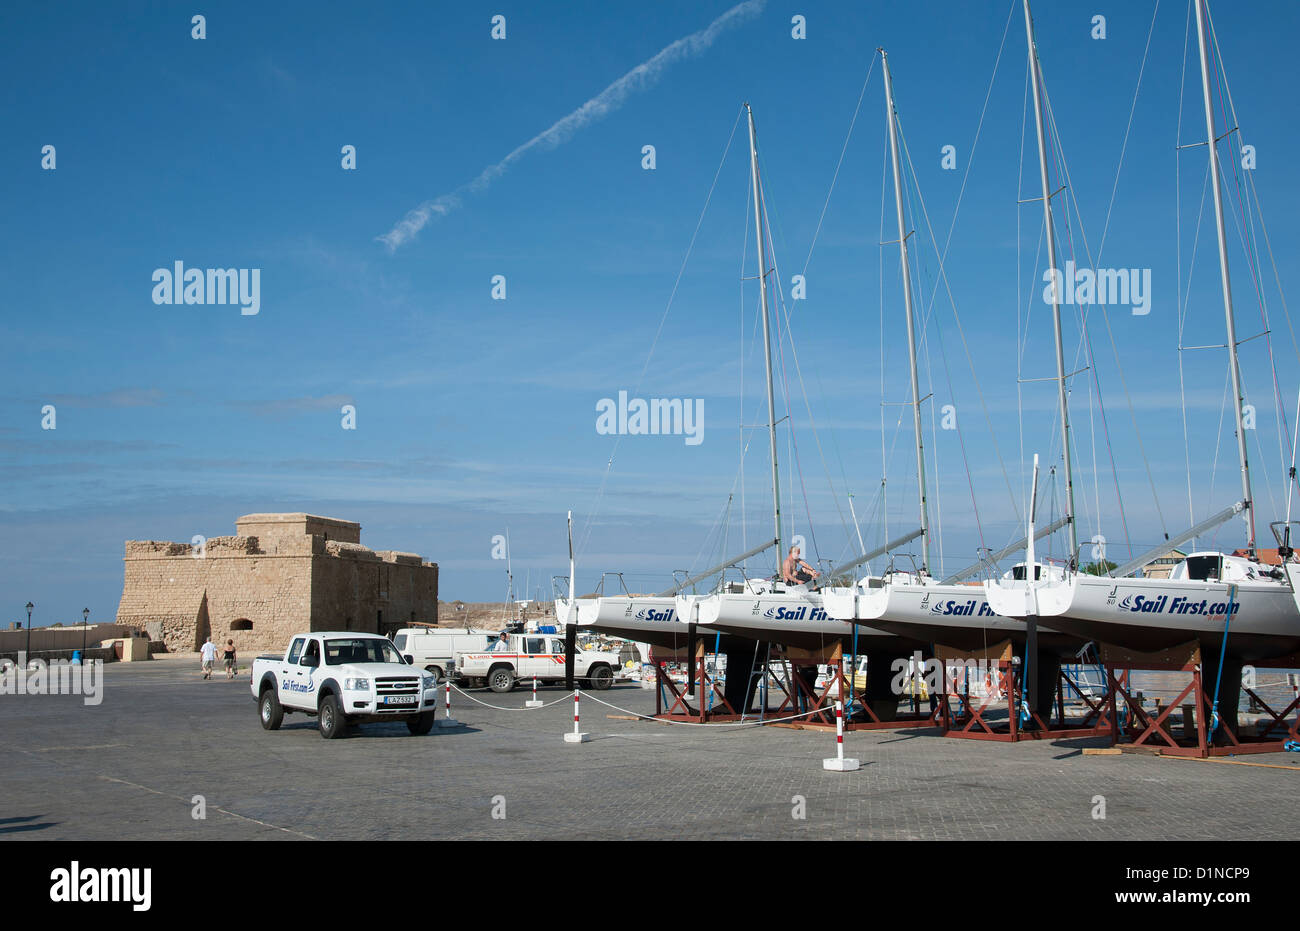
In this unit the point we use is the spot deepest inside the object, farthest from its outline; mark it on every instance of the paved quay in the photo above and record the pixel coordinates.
(132, 767)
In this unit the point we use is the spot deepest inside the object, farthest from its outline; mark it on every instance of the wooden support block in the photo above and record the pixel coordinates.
(824, 655)
(1180, 657)
(998, 651)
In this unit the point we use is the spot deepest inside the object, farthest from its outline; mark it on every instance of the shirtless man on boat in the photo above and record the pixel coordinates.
(794, 571)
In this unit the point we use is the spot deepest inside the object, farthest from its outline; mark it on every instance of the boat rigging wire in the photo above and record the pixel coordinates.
(843, 149)
(609, 465)
(1245, 225)
(943, 274)
(783, 316)
(1184, 300)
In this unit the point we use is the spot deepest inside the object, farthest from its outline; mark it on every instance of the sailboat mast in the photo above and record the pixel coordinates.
(1233, 364)
(891, 114)
(1063, 399)
(767, 327)
(569, 613)
(510, 575)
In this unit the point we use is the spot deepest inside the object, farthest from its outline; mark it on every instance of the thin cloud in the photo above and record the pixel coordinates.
(607, 101)
(121, 397)
(277, 408)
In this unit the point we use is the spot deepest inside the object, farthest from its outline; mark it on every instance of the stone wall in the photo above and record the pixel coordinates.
(61, 639)
(270, 529)
(374, 592)
(260, 592)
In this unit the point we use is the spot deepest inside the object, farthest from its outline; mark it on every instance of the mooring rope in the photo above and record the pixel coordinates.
(568, 696)
(650, 717)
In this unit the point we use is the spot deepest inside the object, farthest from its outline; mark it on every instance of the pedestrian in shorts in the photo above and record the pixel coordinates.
(209, 656)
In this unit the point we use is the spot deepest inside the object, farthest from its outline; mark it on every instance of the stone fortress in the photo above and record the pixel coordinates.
(280, 574)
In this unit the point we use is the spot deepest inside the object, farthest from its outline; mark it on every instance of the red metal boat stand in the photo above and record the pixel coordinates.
(1155, 733)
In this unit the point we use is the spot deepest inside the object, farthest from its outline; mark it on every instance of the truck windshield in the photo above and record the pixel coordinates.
(360, 650)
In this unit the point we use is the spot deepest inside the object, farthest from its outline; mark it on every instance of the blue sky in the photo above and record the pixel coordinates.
(475, 416)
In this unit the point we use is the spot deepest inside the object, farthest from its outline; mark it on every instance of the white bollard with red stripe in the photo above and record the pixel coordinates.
(533, 702)
(448, 721)
(837, 763)
(576, 736)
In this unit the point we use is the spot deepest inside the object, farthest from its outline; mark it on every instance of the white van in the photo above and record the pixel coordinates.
(435, 648)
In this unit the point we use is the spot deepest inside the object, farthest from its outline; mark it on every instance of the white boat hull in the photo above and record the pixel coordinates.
(620, 608)
(957, 616)
(795, 617)
(643, 618)
(1155, 614)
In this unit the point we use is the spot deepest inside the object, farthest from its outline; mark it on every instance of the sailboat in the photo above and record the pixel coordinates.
(770, 609)
(913, 603)
(648, 619)
(1230, 606)
(738, 617)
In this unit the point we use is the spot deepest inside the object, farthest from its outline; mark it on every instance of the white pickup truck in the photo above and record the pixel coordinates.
(343, 678)
(529, 655)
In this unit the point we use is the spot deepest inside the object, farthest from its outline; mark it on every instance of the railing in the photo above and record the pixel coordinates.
(1089, 676)
(910, 557)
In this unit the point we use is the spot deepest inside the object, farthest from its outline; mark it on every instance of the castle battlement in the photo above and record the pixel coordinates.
(279, 574)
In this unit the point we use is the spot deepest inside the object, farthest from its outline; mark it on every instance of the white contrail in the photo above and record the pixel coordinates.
(607, 101)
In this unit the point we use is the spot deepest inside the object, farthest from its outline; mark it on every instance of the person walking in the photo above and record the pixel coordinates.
(229, 656)
(208, 654)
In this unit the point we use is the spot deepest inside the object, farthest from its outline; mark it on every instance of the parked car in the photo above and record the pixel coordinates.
(529, 655)
(344, 678)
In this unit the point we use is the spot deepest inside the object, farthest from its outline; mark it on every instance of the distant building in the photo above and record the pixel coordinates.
(1161, 567)
(1266, 557)
(280, 573)
(59, 641)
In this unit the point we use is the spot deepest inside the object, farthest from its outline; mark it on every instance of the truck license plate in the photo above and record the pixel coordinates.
(400, 700)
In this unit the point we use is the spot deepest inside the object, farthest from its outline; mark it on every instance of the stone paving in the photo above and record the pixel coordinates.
(131, 768)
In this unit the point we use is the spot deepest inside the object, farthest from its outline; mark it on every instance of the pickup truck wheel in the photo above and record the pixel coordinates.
(269, 710)
(435, 671)
(602, 677)
(330, 718)
(421, 724)
(501, 679)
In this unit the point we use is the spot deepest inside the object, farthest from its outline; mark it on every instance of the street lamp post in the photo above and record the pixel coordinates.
(29, 630)
(85, 622)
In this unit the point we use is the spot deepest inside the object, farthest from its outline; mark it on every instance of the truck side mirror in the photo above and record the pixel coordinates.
(410, 660)
(309, 661)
